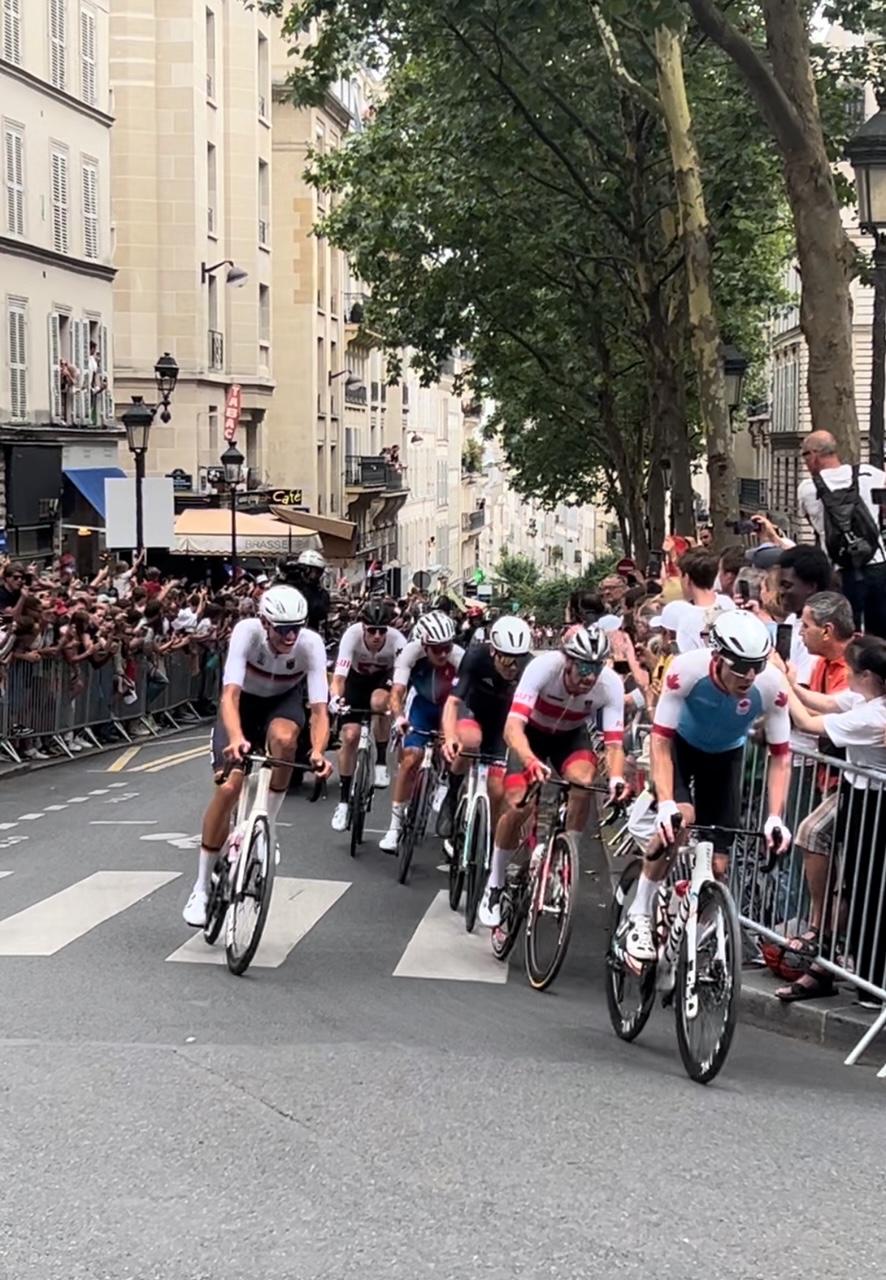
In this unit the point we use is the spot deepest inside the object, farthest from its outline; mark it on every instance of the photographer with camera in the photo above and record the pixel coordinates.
(843, 504)
(306, 575)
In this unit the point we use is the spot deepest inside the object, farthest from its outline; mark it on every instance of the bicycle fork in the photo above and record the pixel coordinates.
(686, 921)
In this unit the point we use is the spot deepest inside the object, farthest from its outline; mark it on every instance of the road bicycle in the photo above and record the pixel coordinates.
(698, 967)
(545, 890)
(415, 819)
(363, 782)
(242, 879)
(472, 855)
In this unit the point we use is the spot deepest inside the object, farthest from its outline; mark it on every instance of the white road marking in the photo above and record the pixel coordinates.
(7, 826)
(78, 799)
(55, 808)
(4, 874)
(440, 948)
(127, 795)
(123, 822)
(116, 784)
(8, 842)
(29, 817)
(50, 925)
(178, 839)
(102, 791)
(296, 906)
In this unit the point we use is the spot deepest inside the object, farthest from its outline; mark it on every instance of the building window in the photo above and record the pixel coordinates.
(264, 203)
(210, 54)
(88, 73)
(16, 327)
(12, 31)
(90, 209)
(264, 316)
(211, 190)
(213, 431)
(264, 77)
(57, 42)
(60, 201)
(14, 152)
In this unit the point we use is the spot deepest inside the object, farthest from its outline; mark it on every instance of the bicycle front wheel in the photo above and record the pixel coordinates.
(217, 905)
(709, 985)
(456, 864)
(551, 911)
(478, 859)
(359, 800)
(251, 898)
(412, 828)
(630, 995)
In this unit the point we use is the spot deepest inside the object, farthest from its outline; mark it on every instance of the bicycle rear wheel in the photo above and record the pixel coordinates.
(360, 789)
(217, 906)
(478, 859)
(552, 899)
(251, 898)
(709, 985)
(456, 865)
(630, 996)
(411, 831)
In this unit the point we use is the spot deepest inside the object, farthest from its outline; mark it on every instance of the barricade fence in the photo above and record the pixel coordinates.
(831, 886)
(49, 700)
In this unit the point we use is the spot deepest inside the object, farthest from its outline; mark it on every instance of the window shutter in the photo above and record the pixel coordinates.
(90, 210)
(18, 363)
(107, 365)
(79, 331)
(12, 31)
(57, 36)
(15, 182)
(60, 202)
(55, 384)
(88, 79)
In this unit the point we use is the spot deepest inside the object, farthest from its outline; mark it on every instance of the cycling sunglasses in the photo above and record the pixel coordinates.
(439, 648)
(585, 669)
(744, 666)
(374, 631)
(286, 628)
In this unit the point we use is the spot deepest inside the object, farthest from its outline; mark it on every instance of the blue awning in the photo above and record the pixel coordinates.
(91, 483)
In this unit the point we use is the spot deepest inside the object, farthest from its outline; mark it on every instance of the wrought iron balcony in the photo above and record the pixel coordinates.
(216, 350)
(372, 473)
(473, 521)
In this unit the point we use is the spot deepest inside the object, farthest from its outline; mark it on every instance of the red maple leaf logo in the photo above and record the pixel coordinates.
(781, 699)
(673, 681)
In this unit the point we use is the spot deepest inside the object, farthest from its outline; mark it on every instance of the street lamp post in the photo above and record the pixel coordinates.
(735, 366)
(232, 461)
(138, 420)
(867, 155)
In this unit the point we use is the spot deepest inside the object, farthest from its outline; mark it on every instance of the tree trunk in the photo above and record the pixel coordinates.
(703, 328)
(787, 100)
(655, 505)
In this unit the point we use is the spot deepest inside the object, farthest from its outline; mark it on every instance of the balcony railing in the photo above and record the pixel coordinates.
(371, 473)
(355, 395)
(216, 349)
(210, 221)
(262, 106)
(472, 521)
(262, 231)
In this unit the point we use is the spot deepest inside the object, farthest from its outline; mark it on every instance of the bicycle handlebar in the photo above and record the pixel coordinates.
(713, 828)
(483, 757)
(534, 789)
(252, 758)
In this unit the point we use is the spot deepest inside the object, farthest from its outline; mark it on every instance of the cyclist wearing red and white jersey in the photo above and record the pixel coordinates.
(271, 660)
(559, 696)
(707, 708)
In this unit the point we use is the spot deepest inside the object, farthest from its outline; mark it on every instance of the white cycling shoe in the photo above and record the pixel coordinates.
(639, 939)
(390, 840)
(489, 911)
(382, 777)
(195, 909)
(340, 817)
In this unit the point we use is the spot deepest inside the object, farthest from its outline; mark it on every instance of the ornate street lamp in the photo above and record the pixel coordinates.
(232, 460)
(138, 420)
(166, 376)
(735, 366)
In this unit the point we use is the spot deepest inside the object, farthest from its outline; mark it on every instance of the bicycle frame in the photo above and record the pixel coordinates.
(478, 776)
(686, 921)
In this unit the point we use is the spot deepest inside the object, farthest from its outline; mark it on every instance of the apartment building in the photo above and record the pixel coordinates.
(56, 274)
(192, 200)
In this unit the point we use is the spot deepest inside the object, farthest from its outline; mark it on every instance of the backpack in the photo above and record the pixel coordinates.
(851, 534)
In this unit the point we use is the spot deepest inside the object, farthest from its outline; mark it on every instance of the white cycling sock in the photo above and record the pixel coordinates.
(499, 869)
(644, 901)
(275, 804)
(397, 812)
(204, 870)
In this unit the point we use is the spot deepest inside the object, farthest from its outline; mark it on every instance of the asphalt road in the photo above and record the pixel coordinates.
(322, 1117)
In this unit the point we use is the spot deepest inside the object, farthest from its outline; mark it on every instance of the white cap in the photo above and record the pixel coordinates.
(609, 622)
(675, 614)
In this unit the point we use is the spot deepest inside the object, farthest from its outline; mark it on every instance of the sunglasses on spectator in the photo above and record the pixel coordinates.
(585, 669)
(286, 628)
(374, 631)
(16, 575)
(439, 648)
(745, 666)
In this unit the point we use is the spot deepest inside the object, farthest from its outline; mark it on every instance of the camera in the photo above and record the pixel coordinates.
(878, 496)
(741, 526)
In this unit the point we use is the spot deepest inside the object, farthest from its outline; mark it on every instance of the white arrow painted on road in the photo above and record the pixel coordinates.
(178, 839)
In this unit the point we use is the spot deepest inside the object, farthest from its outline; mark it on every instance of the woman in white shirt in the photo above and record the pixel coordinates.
(854, 719)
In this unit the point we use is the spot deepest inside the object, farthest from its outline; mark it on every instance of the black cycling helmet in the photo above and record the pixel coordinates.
(376, 613)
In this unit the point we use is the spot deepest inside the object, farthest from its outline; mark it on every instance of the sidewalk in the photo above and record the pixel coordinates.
(9, 769)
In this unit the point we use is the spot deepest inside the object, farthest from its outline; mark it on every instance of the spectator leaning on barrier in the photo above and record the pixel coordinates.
(839, 503)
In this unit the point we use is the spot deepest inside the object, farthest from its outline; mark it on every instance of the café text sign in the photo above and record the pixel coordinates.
(287, 497)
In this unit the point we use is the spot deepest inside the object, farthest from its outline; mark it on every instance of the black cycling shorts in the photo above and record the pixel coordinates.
(358, 691)
(256, 714)
(556, 749)
(711, 783)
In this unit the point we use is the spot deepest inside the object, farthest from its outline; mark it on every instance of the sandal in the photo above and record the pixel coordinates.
(817, 986)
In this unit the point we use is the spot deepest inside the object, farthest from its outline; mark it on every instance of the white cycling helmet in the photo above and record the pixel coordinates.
(510, 636)
(281, 604)
(434, 628)
(741, 639)
(311, 559)
(586, 644)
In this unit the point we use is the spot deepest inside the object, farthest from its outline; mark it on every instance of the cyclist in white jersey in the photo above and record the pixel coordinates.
(270, 660)
(559, 695)
(363, 670)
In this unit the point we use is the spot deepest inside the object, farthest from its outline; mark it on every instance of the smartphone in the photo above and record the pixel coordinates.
(879, 496)
(653, 568)
(744, 590)
(784, 634)
(742, 526)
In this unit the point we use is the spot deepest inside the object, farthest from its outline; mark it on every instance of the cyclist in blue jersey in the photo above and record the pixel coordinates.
(424, 676)
(710, 700)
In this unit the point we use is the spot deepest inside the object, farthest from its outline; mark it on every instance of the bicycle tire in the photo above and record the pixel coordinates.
(627, 1026)
(359, 801)
(514, 905)
(478, 860)
(409, 832)
(703, 1069)
(562, 849)
(217, 906)
(248, 890)
(456, 865)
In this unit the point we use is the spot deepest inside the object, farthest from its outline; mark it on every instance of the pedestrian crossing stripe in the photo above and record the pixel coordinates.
(439, 948)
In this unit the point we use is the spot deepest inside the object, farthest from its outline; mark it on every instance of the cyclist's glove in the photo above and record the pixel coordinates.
(664, 819)
(774, 824)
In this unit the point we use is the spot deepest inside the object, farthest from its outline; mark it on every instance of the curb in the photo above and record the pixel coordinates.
(13, 770)
(833, 1023)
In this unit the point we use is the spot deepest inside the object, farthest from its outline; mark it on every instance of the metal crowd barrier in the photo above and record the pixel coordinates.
(833, 877)
(51, 699)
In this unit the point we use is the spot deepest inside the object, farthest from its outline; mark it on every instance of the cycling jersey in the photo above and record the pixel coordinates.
(432, 684)
(355, 656)
(485, 693)
(543, 702)
(255, 668)
(696, 708)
